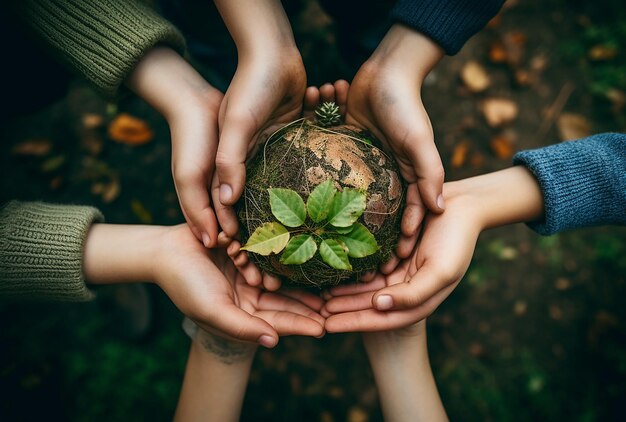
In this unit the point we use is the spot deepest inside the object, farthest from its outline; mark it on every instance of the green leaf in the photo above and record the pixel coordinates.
(346, 208)
(287, 206)
(341, 230)
(299, 250)
(360, 241)
(320, 200)
(268, 238)
(333, 253)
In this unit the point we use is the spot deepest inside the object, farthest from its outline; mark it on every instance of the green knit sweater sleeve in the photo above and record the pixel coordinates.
(41, 250)
(100, 40)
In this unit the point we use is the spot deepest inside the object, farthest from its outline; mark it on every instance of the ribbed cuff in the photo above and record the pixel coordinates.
(583, 182)
(41, 251)
(100, 40)
(450, 23)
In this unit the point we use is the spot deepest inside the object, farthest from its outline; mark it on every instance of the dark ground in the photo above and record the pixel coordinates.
(535, 330)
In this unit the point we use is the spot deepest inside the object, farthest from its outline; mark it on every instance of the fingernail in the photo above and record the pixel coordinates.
(384, 302)
(267, 341)
(226, 192)
(440, 203)
(206, 239)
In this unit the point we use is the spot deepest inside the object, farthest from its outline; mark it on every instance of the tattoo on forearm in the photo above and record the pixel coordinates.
(227, 351)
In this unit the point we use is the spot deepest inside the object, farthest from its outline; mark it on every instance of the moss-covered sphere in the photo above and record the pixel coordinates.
(301, 156)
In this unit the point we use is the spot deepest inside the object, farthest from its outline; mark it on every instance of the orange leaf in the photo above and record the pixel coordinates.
(459, 154)
(130, 130)
(502, 147)
(497, 52)
(37, 147)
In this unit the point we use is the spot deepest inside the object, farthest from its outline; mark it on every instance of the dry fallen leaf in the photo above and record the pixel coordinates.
(130, 130)
(141, 212)
(515, 46)
(111, 191)
(37, 147)
(475, 76)
(497, 52)
(499, 111)
(477, 160)
(573, 126)
(459, 154)
(92, 120)
(602, 53)
(502, 146)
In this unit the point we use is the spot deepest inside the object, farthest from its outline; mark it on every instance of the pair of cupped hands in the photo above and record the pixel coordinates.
(213, 134)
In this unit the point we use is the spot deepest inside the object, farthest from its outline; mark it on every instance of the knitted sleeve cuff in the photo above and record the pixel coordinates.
(100, 40)
(41, 251)
(583, 182)
(450, 23)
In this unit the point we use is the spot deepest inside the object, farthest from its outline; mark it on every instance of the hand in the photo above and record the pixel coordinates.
(418, 286)
(190, 105)
(385, 98)
(265, 94)
(208, 288)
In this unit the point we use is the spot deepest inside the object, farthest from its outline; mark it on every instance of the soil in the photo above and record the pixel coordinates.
(534, 331)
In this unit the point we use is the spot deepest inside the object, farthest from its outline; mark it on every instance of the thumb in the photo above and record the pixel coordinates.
(240, 325)
(421, 287)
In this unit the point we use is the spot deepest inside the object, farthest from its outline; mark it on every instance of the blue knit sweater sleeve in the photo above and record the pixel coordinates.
(450, 23)
(583, 182)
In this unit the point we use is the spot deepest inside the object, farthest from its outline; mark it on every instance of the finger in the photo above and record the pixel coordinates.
(327, 92)
(420, 288)
(367, 277)
(193, 195)
(271, 282)
(351, 303)
(390, 265)
(414, 211)
(378, 282)
(225, 214)
(287, 323)
(311, 101)
(430, 174)
(277, 302)
(314, 302)
(341, 96)
(246, 268)
(372, 320)
(223, 240)
(238, 324)
(238, 129)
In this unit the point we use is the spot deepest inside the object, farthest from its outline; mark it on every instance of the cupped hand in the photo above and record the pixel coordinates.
(265, 94)
(207, 287)
(385, 98)
(420, 283)
(191, 106)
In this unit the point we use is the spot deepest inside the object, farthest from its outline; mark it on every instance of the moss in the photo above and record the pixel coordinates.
(300, 156)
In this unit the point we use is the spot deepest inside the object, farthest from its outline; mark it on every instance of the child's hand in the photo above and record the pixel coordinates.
(265, 93)
(385, 98)
(208, 288)
(190, 105)
(415, 288)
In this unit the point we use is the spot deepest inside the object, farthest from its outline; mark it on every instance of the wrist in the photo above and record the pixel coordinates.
(407, 50)
(496, 199)
(121, 253)
(168, 82)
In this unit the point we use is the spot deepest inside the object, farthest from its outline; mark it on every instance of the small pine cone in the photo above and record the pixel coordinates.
(328, 114)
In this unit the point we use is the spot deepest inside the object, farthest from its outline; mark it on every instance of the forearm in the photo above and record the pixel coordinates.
(499, 198)
(215, 380)
(121, 253)
(404, 49)
(404, 379)
(257, 26)
(165, 80)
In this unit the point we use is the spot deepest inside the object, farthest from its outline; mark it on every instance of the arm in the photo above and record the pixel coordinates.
(405, 381)
(215, 379)
(265, 93)
(572, 185)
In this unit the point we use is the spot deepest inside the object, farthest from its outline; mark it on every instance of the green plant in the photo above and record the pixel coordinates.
(327, 223)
